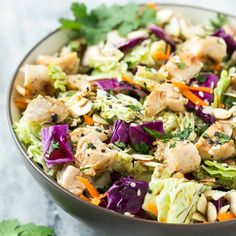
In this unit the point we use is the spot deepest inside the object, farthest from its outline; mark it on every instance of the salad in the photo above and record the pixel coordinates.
(137, 113)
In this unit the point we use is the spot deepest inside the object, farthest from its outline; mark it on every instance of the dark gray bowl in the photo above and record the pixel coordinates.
(103, 221)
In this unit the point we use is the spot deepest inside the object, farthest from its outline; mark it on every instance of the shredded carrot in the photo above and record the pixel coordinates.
(88, 120)
(159, 55)
(225, 216)
(130, 81)
(152, 5)
(91, 189)
(193, 88)
(84, 198)
(152, 208)
(192, 97)
(95, 201)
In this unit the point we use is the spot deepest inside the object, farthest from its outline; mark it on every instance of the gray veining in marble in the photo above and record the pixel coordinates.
(22, 24)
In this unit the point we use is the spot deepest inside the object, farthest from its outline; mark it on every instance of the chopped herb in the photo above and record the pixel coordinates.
(74, 46)
(184, 134)
(84, 168)
(155, 134)
(91, 146)
(219, 22)
(95, 24)
(172, 145)
(141, 148)
(205, 135)
(228, 101)
(134, 108)
(110, 93)
(201, 78)
(181, 65)
(120, 144)
(54, 145)
(222, 138)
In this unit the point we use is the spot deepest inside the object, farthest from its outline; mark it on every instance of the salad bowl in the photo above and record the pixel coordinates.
(103, 221)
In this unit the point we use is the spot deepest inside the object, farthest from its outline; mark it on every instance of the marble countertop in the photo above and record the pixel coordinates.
(22, 24)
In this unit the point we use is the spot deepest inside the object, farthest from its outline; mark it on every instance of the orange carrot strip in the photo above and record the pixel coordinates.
(84, 198)
(192, 97)
(217, 67)
(193, 88)
(95, 201)
(159, 55)
(152, 208)
(91, 189)
(152, 5)
(130, 81)
(88, 120)
(225, 216)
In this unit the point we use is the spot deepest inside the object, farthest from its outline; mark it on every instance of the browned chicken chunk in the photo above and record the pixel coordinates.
(183, 157)
(216, 142)
(46, 110)
(94, 156)
(164, 96)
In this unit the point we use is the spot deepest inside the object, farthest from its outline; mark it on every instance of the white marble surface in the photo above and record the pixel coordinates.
(22, 24)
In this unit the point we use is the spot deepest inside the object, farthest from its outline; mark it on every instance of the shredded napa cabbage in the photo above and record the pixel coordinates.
(29, 134)
(119, 106)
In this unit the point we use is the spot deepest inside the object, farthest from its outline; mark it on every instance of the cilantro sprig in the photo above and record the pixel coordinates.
(95, 24)
(182, 135)
(219, 21)
(13, 228)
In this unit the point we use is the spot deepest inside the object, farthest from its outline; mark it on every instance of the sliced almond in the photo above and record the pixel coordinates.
(151, 163)
(98, 119)
(231, 197)
(222, 114)
(215, 194)
(198, 217)
(143, 157)
(202, 204)
(211, 212)
(224, 209)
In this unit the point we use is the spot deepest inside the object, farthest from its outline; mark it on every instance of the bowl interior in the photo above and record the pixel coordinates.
(54, 41)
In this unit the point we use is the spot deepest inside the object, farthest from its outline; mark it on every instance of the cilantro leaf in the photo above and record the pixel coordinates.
(121, 145)
(134, 108)
(201, 78)
(95, 25)
(155, 134)
(222, 138)
(141, 148)
(219, 22)
(184, 134)
(228, 101)
(12, 228)
(7, 227)
(181, 65)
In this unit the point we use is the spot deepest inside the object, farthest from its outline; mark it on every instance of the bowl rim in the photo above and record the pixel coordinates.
(37, 168)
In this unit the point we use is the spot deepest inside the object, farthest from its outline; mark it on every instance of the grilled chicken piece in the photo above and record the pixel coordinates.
(69, 63)
(183, 157)
(46, 110)
(93, 155)
(211, 46)
(67, 179)
(165, 96)
(212, 147)
(98, 132)
(36, 81)
(183, 67)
